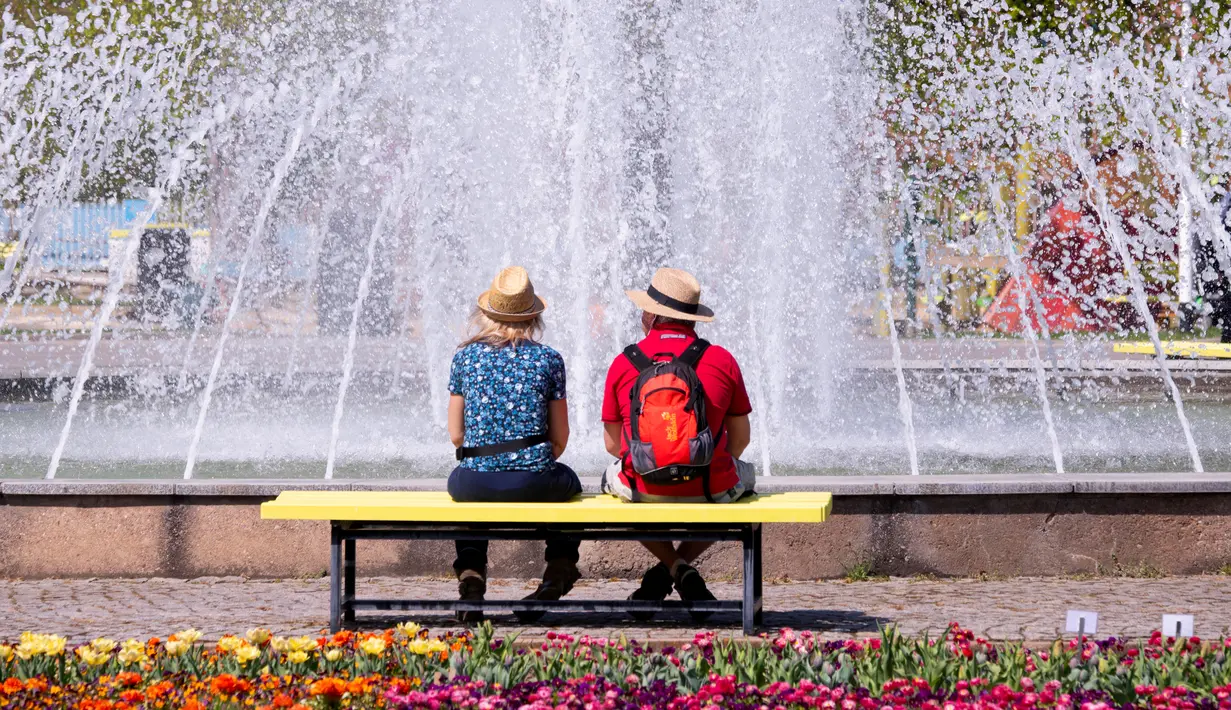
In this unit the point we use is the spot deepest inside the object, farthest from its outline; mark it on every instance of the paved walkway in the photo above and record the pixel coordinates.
(1027, 608)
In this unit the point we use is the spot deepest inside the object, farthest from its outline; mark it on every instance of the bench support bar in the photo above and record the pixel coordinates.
(342, 567)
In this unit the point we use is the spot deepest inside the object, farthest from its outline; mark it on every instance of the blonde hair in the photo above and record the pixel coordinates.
(498, 334)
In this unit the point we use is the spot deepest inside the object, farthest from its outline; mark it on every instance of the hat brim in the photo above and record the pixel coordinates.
(535, 310)
(643, 301)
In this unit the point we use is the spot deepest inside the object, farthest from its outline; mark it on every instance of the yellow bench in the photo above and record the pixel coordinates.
(1177, 349)
(407, 515)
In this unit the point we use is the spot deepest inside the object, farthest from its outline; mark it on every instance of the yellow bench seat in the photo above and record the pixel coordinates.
(437, 507)
(1177, 349)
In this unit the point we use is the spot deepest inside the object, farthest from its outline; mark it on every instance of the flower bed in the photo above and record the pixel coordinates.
(406, 668)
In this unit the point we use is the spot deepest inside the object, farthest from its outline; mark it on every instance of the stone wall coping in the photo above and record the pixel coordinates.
(926, 485)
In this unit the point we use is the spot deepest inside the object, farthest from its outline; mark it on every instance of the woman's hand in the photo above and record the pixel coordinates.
(557, 426)
(457, 420)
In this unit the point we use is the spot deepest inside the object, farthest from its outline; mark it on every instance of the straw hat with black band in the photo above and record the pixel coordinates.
(511, 299)
(673, 293)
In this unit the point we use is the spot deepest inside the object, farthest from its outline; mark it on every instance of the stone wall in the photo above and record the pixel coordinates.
(937, 525)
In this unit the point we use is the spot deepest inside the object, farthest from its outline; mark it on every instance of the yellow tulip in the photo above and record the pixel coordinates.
(333, 654)
(92, 657)
(301, 643)
(373, 646)
(418, 647)
(130, 656)
(6, 652)
(132, 645)
(230, 644)
(246, 653)
(278, 644)
(258, 636)
(189, 636)
(103, 645)
(297, 657)
(28, 646)
(175, 647)
(409, 629)
(32, 645)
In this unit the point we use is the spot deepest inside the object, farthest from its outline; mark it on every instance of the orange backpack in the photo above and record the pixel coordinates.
(670, 441)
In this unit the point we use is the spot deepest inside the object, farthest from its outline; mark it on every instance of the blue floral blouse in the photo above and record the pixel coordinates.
(506, 391)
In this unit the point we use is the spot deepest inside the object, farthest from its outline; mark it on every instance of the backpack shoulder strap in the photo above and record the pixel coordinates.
(692, 354)
(639, 359)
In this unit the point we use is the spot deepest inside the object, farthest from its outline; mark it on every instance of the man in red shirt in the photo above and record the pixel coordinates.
(670, 309)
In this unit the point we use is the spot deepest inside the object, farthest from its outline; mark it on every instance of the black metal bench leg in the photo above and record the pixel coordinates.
(758, 579)
(335, 579)
(348, 580)
(748, 608)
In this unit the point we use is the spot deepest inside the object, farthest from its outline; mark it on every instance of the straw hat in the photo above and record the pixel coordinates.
(511, 298)
(673, 294)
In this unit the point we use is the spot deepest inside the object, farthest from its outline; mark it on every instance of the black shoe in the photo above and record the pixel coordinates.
(655, 587)
(558, 580)
(470, 588)
(691, 586)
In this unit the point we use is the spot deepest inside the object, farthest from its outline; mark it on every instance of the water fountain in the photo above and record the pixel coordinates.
(362, 170)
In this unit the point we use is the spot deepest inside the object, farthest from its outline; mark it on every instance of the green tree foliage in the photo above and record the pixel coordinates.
(1077, 22)
(268, 38)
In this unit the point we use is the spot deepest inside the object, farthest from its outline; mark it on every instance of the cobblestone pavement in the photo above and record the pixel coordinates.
(1027, 608)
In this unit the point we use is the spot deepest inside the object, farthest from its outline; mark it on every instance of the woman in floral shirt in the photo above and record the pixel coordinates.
(509, 419)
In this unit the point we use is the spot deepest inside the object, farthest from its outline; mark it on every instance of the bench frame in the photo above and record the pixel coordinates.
(344, 535)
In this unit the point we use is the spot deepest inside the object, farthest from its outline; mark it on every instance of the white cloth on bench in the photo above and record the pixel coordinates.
(614, 485)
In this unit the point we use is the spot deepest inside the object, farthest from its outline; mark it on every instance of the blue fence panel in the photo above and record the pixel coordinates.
(80, 235)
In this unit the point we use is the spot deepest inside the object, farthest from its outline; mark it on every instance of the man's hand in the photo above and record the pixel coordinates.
(611, 437)
(739, 433)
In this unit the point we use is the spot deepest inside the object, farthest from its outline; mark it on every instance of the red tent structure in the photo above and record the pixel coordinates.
(1060, 312)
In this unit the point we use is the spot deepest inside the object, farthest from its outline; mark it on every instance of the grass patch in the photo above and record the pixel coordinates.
(1141, 570)
(862, 571)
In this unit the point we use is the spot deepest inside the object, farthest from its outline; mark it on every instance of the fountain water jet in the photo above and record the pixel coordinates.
(303, 127)
(1036, 359)
(1119, 240)
(348, 363)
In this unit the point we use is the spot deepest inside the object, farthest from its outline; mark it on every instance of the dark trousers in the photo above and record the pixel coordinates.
(555, 485)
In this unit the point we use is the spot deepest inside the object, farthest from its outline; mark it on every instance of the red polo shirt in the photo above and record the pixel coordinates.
(724, 395)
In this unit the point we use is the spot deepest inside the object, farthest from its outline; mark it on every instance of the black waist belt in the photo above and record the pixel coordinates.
(504, 447)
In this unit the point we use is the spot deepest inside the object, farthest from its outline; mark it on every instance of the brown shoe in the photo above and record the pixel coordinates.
(471, 587)
(558, 580)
